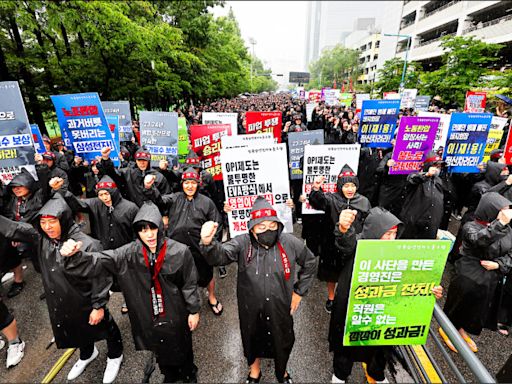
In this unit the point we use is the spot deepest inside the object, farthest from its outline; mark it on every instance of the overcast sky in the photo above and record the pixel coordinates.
(279, 28)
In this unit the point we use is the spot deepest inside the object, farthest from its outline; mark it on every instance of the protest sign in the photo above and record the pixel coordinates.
(222, 118)
(84, 126)
(314, 96)
(16, 148)
(310, 107)
(391, 96)
(467, 138)
(326, 160)
(346, 99)
(159, 133)
(408, 98)
(113, 125)
(332, 97)
(378, 122)
(498, 123)
(422, 103)
(507, 154)
(205, 140)
(258, 122)
(390, 299)
(242, 141)
(442, 129)
(296, 143)
(37, 138)
(322, 93)
(360, 97)
(414, 140)
(182, 140)
(251, 172)
(121, 109)
(475, 102)
(493, 142)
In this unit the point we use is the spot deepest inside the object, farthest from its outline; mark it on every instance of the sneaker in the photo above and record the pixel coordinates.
(6, 277)
(328, 305)
(80, 365)
(299, 221)
(335, 380)
(15, 353)
(112, 369)
(15, 289)
(2, 344)
(222, 272)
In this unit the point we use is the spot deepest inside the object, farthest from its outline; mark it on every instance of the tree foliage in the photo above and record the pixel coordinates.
(338, 63)
(390, 75)
(154, 53)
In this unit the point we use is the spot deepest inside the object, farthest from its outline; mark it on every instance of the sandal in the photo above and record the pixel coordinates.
(124, 309)
(252, 380)
(503, 330)
(471, 344)
(215, 306)
(447, 341)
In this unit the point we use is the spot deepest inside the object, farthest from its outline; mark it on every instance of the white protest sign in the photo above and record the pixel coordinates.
(310, 107)
(326, 160)
(222, 118)
(442, 129)
(241, 141)
(251, 172)
(408, 98)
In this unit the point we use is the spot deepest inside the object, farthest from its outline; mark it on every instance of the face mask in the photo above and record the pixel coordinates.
(503, 177)
(268, 238)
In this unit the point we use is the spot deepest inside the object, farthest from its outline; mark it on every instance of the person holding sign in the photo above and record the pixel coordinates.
(485, 259)
(379, 224)
(331, 260)
(269, 290)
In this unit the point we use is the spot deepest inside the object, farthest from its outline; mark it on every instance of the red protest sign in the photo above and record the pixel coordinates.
(315, 96)
(475, 102)
(260, 122)
(508, 149)
(206, 143)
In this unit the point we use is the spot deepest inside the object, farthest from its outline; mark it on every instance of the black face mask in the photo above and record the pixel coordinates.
(268, 238)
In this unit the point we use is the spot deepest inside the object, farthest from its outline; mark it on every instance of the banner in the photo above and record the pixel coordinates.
(242, 141)
(113, 125)
(332, 97)
(206, 143)
(346, 99)
(414, 140)
(37, 138)
(422, 103)
(258, 122)
(378, 123)
(467, 138)
(326, 160)
(159, 134)
(408, 98)
(442, 129)
(16, 148)
(390, 300)
(314, 96)
(498, 123)
(322, 93)
(493, 142)
(222, 118)
(507, 154)
(475, 102)
(310, 107)
(182, 140)
(391, 96)
(251, 172)
(360, 97)
(121, 109)
(84, 126)
(296, 143)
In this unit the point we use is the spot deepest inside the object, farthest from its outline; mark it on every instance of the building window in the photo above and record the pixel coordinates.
(370, 45)
(377, 44)
(375, 57)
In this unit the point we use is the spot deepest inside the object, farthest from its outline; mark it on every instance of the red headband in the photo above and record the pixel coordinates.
(393, 228)
(192, 160)
(142, 156)
(49, 155)
(48, 217)
(190, 175)
(347, 174)
(105, 185)
(432, 159)
(266, 212)
(497, 155)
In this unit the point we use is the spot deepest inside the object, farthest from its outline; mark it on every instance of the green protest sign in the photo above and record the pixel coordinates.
(346, 99)
(390, 299)
(182, 139)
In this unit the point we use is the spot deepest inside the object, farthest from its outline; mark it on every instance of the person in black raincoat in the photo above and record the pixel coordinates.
(485, 258)
(369, 160)
(268, 288)
(379, 224)
(46, 164)
(495, 173)
(158, 278)
(76, 303)
(188, 210)
(331, 260)
(60, 159)
(423, 208)
(132, 178)
(391, 193)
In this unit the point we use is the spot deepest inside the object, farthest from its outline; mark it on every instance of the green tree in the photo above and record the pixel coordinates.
(390, 75)
(338, 63)
(262, 78)
(465, 62)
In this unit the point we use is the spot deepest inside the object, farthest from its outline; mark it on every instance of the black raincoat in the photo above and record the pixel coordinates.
(264, 296)
(474, 291)
(392, 187)
(168, 335)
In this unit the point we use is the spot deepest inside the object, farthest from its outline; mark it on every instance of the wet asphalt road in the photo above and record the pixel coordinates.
(217, 343)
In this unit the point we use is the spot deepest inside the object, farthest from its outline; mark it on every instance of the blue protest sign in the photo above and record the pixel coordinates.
(378, 123)
(467, 138)
(121, 109)
(37, 138)
(16, 149)
(296, 143)
(159, 134)
(83, 125)
(113, 125)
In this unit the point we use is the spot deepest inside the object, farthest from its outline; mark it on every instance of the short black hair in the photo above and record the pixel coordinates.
(140, 225)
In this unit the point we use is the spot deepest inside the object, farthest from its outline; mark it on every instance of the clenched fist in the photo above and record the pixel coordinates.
(347, 217)
(317, 183)
(208, 231)
(148, 181)
(105, 153)
(70, 247)
(56, 183)
(163, 164)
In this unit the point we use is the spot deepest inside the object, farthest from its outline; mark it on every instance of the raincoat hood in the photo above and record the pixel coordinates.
(150, 213)
(347, 175)
(262, 211)
(57, 207)
(23, 179)
(378, 222)
(493, 171)
(107, 184)
(489, 206)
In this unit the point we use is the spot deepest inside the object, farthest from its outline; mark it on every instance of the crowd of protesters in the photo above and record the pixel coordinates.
(156, 234)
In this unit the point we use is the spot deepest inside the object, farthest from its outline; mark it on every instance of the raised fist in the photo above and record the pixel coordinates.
(148, 181)
(105, 153)
(347, 217)
(317, 182)
(56, 183)
(208, 231)
(38, 158)
(163, 164)
(70, 247)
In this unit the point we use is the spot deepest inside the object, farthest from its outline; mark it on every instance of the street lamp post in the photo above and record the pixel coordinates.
(409, 38)
(252, 41)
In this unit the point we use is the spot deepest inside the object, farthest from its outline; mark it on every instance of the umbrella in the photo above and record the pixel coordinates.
(506, 99)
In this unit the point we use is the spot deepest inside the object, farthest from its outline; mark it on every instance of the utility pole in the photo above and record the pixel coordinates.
(252, 41)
